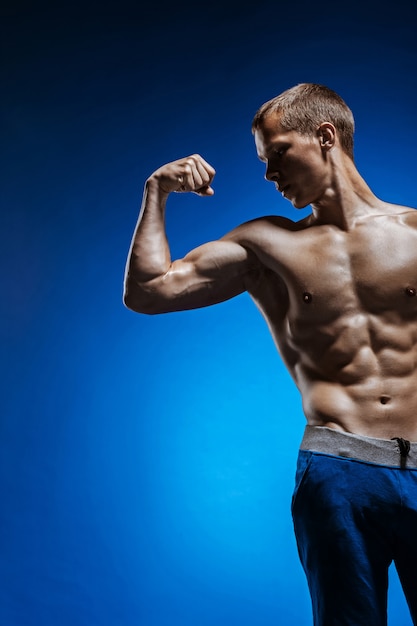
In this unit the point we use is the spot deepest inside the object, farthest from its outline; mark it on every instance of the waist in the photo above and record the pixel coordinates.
(397, 452)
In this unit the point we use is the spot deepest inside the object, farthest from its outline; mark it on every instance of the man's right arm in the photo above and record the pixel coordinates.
(211, 273)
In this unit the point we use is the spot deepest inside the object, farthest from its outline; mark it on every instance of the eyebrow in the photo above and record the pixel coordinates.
(279, 145)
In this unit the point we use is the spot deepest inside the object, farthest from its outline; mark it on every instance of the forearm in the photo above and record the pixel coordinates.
(149, 254)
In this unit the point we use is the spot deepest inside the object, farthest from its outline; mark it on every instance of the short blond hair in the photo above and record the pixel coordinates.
(307, 105)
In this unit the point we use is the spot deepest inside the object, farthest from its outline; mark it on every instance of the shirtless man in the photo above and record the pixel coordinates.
(338, 292)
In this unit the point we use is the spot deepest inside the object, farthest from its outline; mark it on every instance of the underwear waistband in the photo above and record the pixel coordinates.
(397, 452)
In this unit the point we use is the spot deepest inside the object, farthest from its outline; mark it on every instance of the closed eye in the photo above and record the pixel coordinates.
(280, 151)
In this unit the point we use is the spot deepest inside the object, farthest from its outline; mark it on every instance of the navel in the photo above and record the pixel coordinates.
(410, 291)
(384, 399)
(307, 297)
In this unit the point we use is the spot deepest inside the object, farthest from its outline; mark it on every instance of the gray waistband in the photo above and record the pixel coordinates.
(398, 453)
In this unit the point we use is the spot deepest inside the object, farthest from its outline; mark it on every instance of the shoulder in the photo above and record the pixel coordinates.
(268, 225)
(408, 216)
(267, 240)
(389, 208)
(399, 214)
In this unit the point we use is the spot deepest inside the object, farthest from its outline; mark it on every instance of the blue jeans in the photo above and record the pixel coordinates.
(352, 518)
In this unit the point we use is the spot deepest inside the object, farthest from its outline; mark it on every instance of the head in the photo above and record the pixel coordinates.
(305, 107)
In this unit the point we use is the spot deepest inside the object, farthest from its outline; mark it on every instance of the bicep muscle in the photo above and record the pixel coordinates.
(211, 273)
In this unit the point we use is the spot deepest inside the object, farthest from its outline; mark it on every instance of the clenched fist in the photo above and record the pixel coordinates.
(191, 173)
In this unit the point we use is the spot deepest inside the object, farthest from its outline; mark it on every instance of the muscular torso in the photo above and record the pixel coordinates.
(342, 308)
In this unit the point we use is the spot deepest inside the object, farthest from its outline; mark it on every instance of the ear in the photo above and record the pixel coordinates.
(326, 134)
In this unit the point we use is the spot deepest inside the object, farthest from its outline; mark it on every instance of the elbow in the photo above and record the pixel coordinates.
(140, 300)
(138, 305)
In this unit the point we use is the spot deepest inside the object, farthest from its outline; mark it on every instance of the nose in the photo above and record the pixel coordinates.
(271, 174)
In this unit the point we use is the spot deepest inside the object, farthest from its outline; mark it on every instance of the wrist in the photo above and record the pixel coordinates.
(153, 184)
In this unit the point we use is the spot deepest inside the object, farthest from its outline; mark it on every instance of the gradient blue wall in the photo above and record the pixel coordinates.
(147, 463)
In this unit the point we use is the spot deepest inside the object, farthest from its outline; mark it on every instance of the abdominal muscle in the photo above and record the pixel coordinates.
(374, 394)
(352, 410)
(354, 376)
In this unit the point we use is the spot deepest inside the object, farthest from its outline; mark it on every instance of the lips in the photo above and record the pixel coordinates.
(282, 188)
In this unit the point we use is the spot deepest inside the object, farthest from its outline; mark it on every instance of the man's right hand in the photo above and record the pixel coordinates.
(191, 173)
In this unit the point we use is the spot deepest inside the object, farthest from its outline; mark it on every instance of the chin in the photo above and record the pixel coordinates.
(299, 204)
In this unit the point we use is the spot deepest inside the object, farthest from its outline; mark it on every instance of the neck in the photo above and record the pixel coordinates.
(347, 197)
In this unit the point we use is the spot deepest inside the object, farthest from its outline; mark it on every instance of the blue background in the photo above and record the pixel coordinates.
(147, 463)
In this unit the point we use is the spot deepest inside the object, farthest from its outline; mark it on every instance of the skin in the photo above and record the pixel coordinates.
(337, 289)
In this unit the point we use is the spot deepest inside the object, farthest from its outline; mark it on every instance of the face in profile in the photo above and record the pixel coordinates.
(295, 163)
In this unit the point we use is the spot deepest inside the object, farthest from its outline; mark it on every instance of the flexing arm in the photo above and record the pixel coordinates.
(211, 273)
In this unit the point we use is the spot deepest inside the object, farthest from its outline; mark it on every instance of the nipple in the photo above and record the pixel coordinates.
(410, 291)
(307, 297)
(384, 399)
